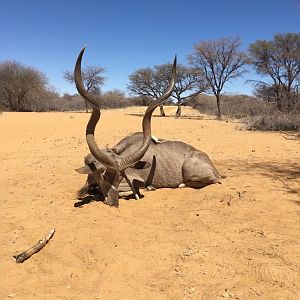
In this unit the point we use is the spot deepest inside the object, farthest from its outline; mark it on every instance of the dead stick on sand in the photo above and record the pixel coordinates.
(286, 186)
(34, 249)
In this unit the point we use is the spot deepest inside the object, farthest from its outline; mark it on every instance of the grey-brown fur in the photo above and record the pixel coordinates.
(172, 163)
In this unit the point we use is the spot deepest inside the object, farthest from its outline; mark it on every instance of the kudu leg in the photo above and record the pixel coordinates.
(135, 193)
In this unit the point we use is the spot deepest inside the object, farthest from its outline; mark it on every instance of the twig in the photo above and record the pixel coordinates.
(290, 135)
(229, 200)
(34, 249)
(257, 293)
(286, 186)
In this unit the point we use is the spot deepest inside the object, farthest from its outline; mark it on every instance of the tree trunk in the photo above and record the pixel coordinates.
(178, 112)
(86, 107)
(162, 112)
(219, 106)
(290, 98)
(279, 104)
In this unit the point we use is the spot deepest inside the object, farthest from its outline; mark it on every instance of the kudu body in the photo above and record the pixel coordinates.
(160, 164)
(173, 164)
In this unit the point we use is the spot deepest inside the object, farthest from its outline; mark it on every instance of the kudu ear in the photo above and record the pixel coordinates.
(87, 169)
(141, 165)
(84, 170)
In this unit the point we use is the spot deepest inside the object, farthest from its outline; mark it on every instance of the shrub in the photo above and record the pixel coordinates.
(276, 121)
(255, 113)
(235, 106)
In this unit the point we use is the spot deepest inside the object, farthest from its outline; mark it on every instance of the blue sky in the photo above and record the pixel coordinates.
(123, 36)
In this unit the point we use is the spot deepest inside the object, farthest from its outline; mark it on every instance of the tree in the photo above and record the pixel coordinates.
(92, 79)
(219, 61)
(152, 82)
(264, 92)
(147, 82)
(189, 83)
(23, 88)
(279, 59)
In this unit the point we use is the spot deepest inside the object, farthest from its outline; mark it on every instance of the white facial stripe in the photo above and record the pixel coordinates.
(114, 188)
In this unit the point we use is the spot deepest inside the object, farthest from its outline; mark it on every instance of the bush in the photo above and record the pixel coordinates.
(108, 100)
(67, 103)
(276, 121)
(255, 113)
(23, 88)
(236, 106)
(140, 101)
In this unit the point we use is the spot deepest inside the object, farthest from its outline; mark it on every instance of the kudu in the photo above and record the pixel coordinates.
(106, 167)
(172, 163)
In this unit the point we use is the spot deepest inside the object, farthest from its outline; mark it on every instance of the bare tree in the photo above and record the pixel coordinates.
(189, 83)
(279, 59)
(147, 82)
(23, 88)
(151, 82)
(266, 92)
(92, 79)
(219, 61)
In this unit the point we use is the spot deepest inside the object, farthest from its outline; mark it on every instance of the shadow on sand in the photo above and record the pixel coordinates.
(99, 198)
(86, 200)
(286, 171)
(286, 168)
(173, 116)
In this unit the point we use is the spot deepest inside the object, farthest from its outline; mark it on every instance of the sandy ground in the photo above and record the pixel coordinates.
(238, 240)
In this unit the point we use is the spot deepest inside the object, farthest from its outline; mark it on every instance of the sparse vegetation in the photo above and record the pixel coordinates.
(92, 79)
(148, 82)
(255, 113)
(236, 106)
(151, 82)
(219, 61)
(276, 121)
(279, 60)
(110, 99)
(274, 106)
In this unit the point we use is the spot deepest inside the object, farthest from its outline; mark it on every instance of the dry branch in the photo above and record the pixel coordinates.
(286, 186)
(34, 249)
